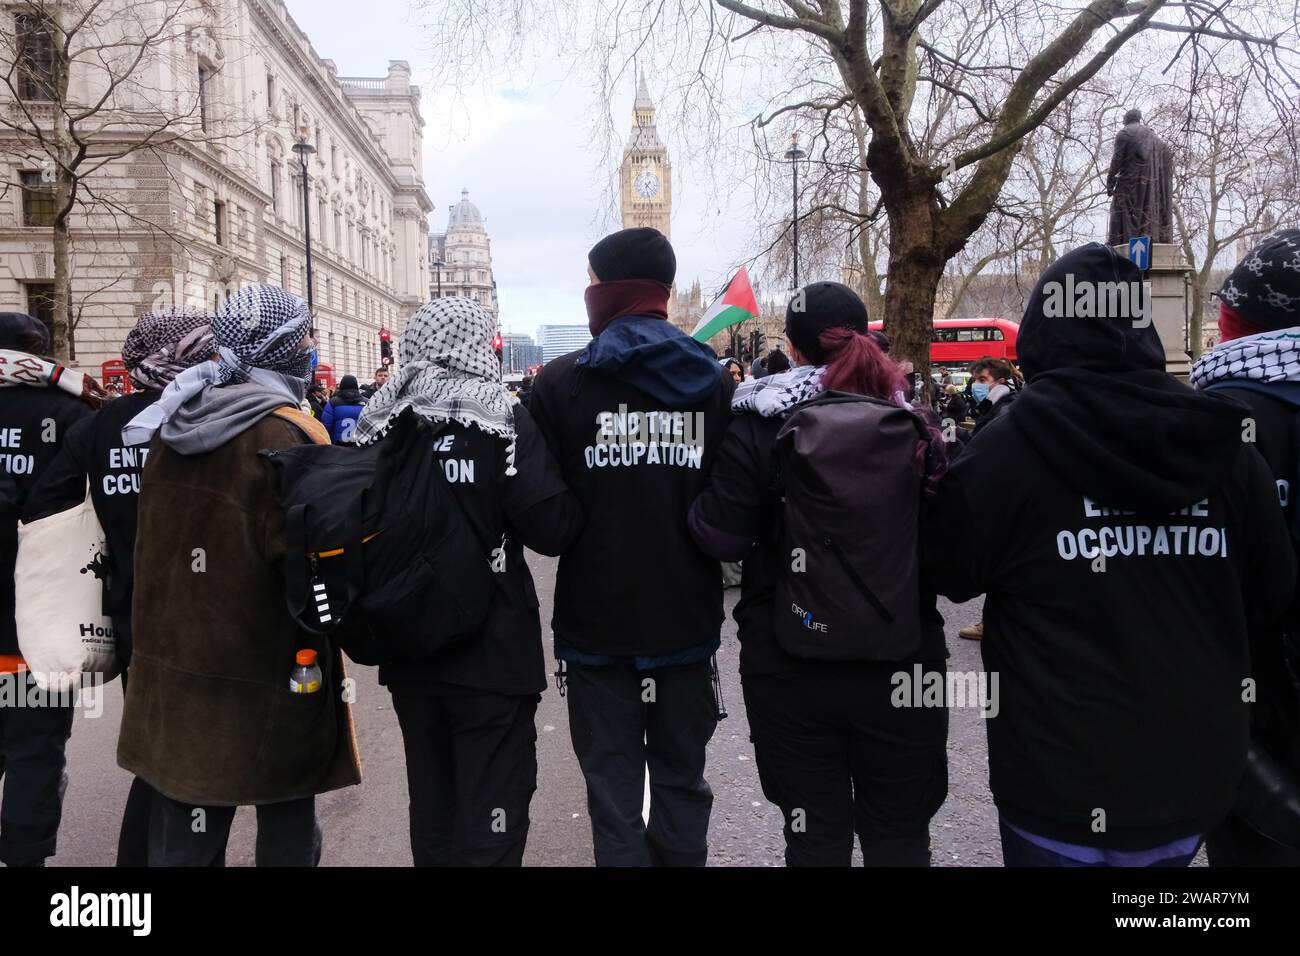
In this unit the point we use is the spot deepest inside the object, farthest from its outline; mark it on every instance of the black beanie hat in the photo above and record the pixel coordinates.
(23, 333)
(348, 383)
(634, 254)
(1264, 288)
(821, 306)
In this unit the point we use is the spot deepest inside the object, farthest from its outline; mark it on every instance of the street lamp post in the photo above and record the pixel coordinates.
(305, 149)
(794, 154)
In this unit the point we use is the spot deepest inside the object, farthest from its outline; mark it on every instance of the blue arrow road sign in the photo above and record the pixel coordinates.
(1139, 251)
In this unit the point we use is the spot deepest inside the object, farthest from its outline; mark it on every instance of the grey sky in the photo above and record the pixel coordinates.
(522, 150)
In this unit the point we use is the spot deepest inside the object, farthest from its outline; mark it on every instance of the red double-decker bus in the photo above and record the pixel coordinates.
(958, 342)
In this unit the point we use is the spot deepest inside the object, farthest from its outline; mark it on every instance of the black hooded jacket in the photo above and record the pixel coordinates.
(635, 421)
(1126, 538)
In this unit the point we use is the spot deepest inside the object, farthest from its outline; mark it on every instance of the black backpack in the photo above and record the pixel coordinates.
(847, 468)
(376, 538)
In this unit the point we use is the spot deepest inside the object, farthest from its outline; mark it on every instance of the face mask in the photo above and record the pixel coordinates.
(980, 390)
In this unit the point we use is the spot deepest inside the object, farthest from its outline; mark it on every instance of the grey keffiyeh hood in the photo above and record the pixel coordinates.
(449, 373)
(260, 367)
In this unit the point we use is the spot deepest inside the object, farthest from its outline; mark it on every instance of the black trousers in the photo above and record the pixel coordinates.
(133, 839)
(471, 769)
(184, 835)
(838, 758)
(33, 741)
(622, 722)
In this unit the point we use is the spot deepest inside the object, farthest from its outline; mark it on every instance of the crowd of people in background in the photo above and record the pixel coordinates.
(1133, 538)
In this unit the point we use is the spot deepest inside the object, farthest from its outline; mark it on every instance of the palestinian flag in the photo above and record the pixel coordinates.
(736, 304)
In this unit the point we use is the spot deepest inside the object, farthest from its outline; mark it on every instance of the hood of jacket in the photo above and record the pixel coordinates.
(656, 357)
(348, 396)
(1099, 407)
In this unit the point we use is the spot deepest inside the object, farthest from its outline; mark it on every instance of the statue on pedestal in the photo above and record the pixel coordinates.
(1140, 184)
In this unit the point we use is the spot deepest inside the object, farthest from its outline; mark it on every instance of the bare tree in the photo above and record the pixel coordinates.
(947, 89)
(1237, 179)
(90, 83)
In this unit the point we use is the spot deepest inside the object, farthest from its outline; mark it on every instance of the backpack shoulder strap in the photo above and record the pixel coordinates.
(304, 423)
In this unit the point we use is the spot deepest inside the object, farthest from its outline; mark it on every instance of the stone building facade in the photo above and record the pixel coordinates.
(460, 259)
(189, 222)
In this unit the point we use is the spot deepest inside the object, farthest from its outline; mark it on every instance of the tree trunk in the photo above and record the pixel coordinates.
(64, 190)
(915, 271)
(62, 291)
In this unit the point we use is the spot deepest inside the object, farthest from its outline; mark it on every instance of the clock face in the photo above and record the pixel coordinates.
(646, 185)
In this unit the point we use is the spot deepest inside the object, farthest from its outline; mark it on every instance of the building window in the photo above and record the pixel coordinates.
(270, 94)
(284, 272)
(275, 188)
(38, 200)
(338, 230)
(40, 303)
(35, 57)
(219, 222)
(205, 75)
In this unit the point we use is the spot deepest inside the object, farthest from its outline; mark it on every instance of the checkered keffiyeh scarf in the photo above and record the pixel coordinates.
(777, 394)
(260, 326)
(1265, 357)
(165, 343)
(256, 332)
(449, 373)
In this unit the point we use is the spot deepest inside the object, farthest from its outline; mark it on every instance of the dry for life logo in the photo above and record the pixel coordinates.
(75, 909)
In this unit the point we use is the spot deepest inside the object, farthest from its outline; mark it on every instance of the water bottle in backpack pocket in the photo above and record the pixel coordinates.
(848, 469)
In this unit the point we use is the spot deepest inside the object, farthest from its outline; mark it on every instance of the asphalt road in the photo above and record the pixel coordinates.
(367, 825)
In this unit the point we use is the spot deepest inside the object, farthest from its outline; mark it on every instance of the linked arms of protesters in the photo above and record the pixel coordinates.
(951, 566)
(730, 514)
(63, 484)
(543, 513)
(1265, 555)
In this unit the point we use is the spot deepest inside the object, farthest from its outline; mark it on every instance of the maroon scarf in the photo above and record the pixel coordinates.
(607, 301)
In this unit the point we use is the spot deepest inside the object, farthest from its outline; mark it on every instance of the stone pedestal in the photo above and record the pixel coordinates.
(1169, 275)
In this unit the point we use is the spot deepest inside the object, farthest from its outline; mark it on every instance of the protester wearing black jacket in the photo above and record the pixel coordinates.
(467, 712)
(1256, 364)
(40, 403)
(160, 346)
(832, 750)
(1144, 539)
(634, 421)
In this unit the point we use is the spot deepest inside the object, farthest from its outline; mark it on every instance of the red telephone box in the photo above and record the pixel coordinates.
(113, 372)
(325, 375)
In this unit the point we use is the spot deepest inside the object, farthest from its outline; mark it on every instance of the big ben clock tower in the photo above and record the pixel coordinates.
(646, 176)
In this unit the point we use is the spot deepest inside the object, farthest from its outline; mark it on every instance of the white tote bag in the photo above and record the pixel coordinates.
(60, 582)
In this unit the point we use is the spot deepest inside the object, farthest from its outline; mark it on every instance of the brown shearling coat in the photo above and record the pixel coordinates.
(209, 717)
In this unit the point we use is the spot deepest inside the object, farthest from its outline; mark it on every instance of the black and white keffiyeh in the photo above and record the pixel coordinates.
(1265, 286)
(1266, 357)
(260, 326)
(776, 394)
(449, 373)
(258, 333)
(165, 343)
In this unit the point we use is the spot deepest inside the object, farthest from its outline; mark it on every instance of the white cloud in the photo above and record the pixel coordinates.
(524, 151)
